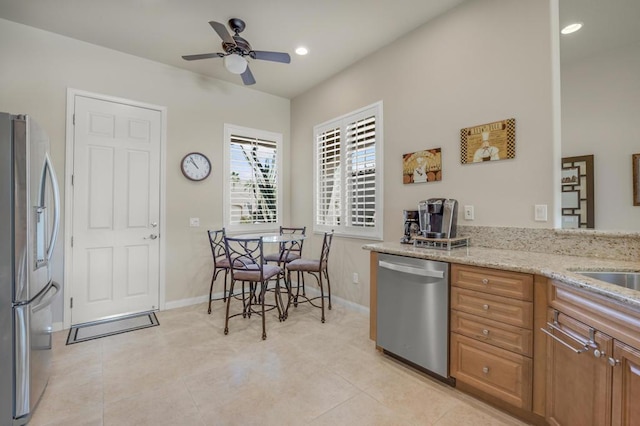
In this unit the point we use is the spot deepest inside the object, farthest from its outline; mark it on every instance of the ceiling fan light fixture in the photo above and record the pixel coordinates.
(571, 28)
(235, 63)
(302, 51)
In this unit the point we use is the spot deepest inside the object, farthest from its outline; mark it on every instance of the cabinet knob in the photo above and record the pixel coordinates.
(485, 281)
(485, 370)
(485, 307)
(485, 332)
(613, 362)
(598, 353)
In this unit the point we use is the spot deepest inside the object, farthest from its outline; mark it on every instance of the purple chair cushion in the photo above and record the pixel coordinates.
(275, 257)
(304, 265)
(252, 273)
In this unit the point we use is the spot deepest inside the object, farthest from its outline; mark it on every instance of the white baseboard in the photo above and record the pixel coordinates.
(203, 299)
(340, 301)
(188, 302)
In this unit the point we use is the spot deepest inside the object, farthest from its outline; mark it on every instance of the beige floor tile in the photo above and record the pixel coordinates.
(187, 371)
(362, 410)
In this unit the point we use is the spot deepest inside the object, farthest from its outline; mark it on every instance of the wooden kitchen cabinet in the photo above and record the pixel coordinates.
(626, 385)
(491, 333)
(578, 383)
(603, 387)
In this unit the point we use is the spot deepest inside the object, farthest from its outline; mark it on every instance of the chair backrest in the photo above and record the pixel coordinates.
(216, 240)
(292, 246)
(244, 254)
(326, 247)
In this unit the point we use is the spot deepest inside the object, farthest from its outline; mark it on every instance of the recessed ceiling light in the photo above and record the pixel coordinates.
(302, 51)
(571, 28)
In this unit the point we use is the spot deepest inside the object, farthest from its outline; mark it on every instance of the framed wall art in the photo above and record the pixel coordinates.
(422, 166)
(488, 142)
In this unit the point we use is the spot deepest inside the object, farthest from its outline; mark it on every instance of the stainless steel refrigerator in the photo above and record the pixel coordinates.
(29, 222)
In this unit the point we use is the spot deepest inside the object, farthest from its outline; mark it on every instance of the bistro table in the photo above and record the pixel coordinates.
(271, 238)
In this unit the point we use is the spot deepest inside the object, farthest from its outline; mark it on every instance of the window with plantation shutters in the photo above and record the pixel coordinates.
(348, 189)
(252, 186)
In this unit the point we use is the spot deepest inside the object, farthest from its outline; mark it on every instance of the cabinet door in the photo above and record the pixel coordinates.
(626, 385)
(578, 384)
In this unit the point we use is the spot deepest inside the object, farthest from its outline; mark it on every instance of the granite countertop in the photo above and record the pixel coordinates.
(555, 266)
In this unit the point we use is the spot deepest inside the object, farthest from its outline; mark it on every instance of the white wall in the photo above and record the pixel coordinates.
(601, 116)
(38, 67)
(484, 61)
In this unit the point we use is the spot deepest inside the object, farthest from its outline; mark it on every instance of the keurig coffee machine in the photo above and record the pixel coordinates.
(411, 226)
(438, 217)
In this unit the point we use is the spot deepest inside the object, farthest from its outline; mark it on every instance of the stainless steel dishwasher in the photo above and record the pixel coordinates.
(413, 312)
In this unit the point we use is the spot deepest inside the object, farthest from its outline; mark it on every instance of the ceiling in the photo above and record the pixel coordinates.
(607, 25)
(337, 33)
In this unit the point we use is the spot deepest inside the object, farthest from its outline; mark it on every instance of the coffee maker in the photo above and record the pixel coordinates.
(438, 217)
(411, 226)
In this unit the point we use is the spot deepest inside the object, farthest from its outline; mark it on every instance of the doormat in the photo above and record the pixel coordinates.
(96, 330)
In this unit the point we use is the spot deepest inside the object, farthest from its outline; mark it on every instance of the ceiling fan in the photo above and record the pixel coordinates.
(236, 49)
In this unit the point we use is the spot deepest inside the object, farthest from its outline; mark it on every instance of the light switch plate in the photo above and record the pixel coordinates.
(541, 212)
(194, 222)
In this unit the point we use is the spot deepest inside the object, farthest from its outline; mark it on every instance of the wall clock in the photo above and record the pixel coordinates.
(195, 166)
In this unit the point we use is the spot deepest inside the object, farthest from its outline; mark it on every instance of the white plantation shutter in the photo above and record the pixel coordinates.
(252, 186)
(348, 193)
(361, 171)
(328, 180)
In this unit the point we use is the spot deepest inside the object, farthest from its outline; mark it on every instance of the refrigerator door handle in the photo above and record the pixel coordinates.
(48, 168)
(42, 302)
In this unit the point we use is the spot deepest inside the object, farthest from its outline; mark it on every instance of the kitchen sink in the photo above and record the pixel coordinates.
(623, 279)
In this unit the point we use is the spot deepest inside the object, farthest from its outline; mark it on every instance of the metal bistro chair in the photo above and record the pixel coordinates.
(220, 261)
(319, 269)
(247, 257)
(289, 251)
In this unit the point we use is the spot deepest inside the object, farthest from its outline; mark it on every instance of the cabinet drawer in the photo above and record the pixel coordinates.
(508, 337)
(501, 309)
(498, 372)
(502, 283)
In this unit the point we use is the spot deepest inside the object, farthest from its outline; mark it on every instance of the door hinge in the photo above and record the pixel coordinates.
(74, 119)
(72, 176)
(71, 303)
(71, 241)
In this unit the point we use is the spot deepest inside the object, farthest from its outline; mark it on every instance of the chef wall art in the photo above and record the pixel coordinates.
(422, 166)
(488, 142)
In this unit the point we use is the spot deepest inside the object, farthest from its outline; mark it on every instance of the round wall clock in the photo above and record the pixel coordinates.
(195, 166)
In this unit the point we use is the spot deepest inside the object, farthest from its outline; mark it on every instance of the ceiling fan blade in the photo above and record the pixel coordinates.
(271, 56)
(202, 56)
(222, 32)
(247, 77)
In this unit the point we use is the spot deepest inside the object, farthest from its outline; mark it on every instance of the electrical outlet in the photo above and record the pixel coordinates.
(194, 222)
(468, 213)
(356, 278)
(540, 212)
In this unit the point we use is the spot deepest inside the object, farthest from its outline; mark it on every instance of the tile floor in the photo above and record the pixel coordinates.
(187, 372)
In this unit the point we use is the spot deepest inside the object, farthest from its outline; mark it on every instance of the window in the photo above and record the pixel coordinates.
(348, 182)
(252, 179)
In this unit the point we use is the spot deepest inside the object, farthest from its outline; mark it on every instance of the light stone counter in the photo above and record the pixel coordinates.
(556, 266)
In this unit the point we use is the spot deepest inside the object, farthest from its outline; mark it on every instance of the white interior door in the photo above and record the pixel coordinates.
(116, 210)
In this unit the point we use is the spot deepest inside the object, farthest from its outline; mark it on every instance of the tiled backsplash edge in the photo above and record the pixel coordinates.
(607, 245)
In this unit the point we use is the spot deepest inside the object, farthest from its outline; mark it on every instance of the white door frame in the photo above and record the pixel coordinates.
(68, 193)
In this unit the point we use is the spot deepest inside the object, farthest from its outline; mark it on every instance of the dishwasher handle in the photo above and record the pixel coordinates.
(410, 269)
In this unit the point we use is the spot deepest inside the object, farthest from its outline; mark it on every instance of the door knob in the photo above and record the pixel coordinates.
(151, 237)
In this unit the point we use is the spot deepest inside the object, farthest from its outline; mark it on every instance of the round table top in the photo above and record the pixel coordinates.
(273, 238)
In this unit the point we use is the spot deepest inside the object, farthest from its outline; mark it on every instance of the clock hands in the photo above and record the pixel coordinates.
(194, 163)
